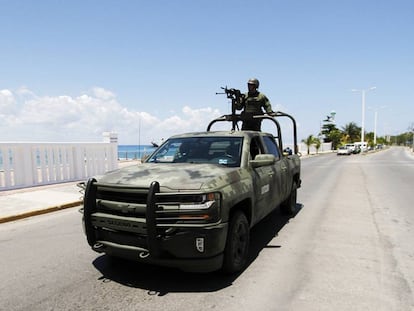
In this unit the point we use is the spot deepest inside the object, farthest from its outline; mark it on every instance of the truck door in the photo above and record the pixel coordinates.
(280, 172)
(262, 177)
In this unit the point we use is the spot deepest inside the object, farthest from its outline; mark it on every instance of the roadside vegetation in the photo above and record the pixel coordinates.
(351, 133)
(312, 140)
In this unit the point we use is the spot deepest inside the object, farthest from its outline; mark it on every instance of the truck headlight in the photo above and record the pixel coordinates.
(199, 208)
(207, 200)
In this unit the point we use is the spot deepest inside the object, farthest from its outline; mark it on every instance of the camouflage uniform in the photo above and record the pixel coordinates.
(253, 104)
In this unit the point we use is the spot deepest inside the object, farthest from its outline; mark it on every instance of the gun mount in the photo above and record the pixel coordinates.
(236, 97)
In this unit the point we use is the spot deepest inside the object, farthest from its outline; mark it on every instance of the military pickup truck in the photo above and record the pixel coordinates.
(192, 203)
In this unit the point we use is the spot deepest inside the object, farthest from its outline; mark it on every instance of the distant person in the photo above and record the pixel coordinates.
(253, 103)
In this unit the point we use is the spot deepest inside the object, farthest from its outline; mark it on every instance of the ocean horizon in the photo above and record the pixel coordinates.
(133, 152)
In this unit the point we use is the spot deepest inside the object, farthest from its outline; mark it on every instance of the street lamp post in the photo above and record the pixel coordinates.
(363, 110)
(412, 145)
(375, 122)
(375, 128)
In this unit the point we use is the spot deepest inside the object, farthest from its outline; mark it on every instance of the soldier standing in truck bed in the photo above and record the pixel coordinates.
(253, 103)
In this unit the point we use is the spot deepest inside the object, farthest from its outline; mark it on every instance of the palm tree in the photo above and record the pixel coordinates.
(351, 132)
(308, 142)
(336, 137)
(317, 143)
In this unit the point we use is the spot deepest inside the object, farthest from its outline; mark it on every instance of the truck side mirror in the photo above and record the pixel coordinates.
(263, 160)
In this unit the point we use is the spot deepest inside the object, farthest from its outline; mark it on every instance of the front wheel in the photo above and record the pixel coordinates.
(288, 207)
(237, 245)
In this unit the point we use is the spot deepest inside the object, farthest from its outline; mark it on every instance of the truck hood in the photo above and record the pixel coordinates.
(172, 176)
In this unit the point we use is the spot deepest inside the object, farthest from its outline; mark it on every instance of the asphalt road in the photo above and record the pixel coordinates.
(350, 247)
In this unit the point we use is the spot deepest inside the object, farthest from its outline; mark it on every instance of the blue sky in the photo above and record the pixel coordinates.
(70, 70)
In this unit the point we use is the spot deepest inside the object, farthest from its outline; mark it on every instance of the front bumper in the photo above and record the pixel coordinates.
(180, 250)
(195, 248)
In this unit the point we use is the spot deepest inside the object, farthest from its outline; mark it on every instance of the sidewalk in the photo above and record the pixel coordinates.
(22, 203)
(31, 201)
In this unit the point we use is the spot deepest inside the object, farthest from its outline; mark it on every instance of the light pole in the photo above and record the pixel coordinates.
(375, 122)
(363, 110)
(375, 128)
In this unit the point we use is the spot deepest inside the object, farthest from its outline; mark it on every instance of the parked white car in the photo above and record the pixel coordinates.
(351, 147)
(343, 150)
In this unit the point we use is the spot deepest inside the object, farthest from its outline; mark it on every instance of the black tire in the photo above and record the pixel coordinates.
(237, 245)
(288, 207)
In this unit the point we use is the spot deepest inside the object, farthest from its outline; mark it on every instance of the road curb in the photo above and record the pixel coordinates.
(40, 212)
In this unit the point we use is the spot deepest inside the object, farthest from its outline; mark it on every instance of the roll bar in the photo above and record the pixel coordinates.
(235, 118)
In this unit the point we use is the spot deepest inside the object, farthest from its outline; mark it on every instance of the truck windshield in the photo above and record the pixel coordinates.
(215, 150)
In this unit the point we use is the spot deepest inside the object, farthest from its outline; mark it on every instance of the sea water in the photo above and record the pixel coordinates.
(131, 152)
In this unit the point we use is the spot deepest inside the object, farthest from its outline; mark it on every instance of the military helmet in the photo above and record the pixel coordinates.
(254, 81)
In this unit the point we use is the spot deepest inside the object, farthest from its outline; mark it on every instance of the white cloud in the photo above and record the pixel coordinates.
(102, 93)
(25, 116)
(25, 92)
(7, 102)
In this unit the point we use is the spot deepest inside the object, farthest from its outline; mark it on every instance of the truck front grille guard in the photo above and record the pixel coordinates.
(151, 220)
(89, 207)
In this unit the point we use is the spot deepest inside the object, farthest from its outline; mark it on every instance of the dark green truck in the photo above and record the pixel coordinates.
(192, 203)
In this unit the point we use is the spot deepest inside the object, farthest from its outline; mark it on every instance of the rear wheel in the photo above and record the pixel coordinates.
(288, 207)
(237, 245)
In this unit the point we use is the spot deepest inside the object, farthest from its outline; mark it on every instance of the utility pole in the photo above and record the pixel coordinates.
(363, 110)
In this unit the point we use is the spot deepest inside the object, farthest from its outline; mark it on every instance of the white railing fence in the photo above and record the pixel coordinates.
(32, 164)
